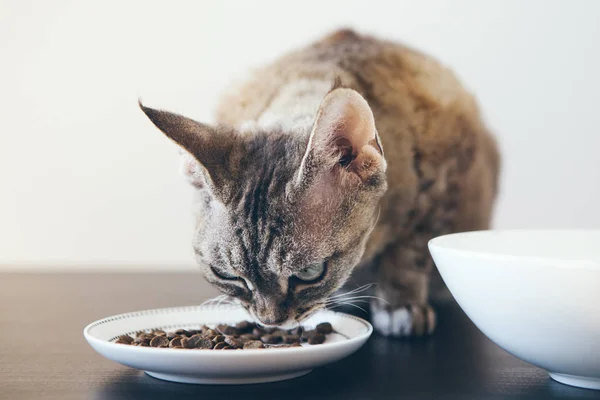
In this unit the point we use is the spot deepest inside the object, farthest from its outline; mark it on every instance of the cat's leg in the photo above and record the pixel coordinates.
(402, 290)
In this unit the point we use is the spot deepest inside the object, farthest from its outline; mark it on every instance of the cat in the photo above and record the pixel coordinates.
(352, 152)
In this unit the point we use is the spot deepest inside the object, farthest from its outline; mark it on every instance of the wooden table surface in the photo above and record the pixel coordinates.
(43, 354)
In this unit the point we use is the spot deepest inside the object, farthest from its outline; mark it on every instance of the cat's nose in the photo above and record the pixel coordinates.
(271, 313)
(272, 320)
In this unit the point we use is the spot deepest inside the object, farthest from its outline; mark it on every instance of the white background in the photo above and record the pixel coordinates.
(87, 181)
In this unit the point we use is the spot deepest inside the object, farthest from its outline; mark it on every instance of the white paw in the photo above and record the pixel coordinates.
(410, 320)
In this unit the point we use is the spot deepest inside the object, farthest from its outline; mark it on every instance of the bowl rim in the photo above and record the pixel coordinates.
(441, 243)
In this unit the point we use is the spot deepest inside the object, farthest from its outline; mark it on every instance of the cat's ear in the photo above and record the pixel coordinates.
(205, 150)
(192, 170)
(344, 140)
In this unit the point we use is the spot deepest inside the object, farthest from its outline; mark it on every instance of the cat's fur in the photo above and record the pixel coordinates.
(295, 174)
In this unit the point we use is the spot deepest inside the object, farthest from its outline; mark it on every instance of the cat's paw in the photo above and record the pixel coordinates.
(409, 320)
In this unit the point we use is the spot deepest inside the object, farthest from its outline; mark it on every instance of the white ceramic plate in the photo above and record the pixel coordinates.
(221, 367)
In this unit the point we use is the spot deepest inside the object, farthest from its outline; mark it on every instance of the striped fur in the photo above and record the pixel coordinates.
(280, 188)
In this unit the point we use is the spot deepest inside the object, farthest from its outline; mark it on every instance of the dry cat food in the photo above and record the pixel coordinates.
(244, 335)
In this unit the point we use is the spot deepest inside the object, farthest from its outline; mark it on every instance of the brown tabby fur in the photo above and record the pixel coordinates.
(442, 163)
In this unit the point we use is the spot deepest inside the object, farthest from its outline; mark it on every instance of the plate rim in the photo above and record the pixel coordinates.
(165, 310)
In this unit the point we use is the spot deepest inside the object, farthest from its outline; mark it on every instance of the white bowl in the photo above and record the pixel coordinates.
(534, 293)
(221, 367)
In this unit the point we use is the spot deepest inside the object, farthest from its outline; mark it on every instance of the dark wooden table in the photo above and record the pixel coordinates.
(43, 354)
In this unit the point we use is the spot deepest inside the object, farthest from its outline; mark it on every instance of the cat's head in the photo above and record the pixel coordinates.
(283, 217)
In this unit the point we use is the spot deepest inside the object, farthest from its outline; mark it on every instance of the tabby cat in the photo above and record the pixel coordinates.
(350, 153)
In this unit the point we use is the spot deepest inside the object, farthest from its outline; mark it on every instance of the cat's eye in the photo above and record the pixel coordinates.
(224, 275)
(311, 273)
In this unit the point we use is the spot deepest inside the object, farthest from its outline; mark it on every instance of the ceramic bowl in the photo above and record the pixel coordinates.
(534, 293)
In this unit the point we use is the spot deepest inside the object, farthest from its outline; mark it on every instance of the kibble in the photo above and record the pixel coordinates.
(233, 342)
(324, 328)
(197, 341)
(209, 332)
(143, 339)
(243, 335)
(125, 339)
(249, 336)
(254, 344)
(219, 346)
(305, 335)
(227, 329)
(218, 339)
(159, 341)
(271, 339)
(182, 332)
(244, 326)
(289, 339)
(316, 338)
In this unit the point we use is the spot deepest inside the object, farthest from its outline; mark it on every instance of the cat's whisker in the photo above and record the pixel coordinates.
(359, 289)
(358, 297)
(354, 291)
(211, 300)
(223, 300)
(378, 215)
(345, 304)
(218, 300)
(348, 304)
(353, 297)
(348, 299)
